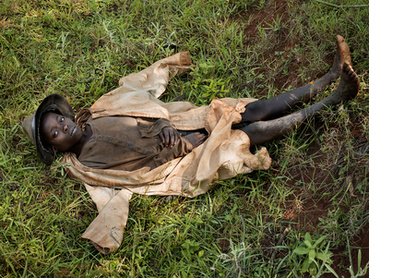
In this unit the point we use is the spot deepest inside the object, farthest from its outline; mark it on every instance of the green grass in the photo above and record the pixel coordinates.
(81, 48)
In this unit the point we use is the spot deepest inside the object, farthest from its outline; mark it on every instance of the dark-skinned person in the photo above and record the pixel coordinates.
(129, 141)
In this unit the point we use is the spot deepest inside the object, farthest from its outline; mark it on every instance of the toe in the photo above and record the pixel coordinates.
(340, 39)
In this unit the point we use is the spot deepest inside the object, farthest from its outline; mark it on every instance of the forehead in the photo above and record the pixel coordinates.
(49, 116)
(48, 119)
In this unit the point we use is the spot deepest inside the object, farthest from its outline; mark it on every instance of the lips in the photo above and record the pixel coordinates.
(73, 130)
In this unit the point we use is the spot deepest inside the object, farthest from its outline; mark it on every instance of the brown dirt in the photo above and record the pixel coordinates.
(311, 211)
(283, 43)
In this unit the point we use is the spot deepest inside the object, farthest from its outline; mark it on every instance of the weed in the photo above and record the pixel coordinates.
(246, 48)
(317, 258)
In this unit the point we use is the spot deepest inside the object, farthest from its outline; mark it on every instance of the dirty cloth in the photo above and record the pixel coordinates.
(223, 155)
(129, 143)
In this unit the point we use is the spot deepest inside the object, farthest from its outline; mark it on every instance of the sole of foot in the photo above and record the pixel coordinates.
(342, 56)
(349, 83)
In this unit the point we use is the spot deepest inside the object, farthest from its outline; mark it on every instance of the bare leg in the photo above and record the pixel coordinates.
(274, 107)
(263, 131)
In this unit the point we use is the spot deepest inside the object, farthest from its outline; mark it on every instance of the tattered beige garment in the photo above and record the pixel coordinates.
(223, 155)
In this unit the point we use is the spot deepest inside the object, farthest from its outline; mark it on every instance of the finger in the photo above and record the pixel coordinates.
(166, 140)
(203, 138)
(177, 136)
(173, 139)
(168, 137)
(162, 137)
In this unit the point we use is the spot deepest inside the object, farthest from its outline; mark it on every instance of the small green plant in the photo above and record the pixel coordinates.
(190, 247)
(360, 271)
(234, 262)
(315, 259)
(248, 48)
(209, 88)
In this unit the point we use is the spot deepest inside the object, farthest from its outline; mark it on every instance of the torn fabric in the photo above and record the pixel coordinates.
(223, 155)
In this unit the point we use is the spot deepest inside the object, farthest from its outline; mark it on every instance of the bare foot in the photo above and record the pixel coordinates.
(196, 139)
(342, 56)
(348, 86)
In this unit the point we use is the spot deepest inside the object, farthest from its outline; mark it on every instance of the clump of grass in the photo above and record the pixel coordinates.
(80, 49)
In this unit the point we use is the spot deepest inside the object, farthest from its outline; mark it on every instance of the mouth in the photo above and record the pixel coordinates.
(73, 130)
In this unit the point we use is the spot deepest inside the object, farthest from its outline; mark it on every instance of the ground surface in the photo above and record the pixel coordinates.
(308, 217)
(316, 190)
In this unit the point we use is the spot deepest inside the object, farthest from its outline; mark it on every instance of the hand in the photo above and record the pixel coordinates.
(169, 136)
(196, 139)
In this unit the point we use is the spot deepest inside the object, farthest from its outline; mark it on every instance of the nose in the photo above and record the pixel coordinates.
(65, 128)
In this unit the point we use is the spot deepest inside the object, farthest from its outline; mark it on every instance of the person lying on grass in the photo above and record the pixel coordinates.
(131, 140)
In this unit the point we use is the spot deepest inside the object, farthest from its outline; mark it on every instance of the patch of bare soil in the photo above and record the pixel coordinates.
(311, 211)
(277, 11)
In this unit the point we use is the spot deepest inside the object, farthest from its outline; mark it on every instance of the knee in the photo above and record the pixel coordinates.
(252, 114)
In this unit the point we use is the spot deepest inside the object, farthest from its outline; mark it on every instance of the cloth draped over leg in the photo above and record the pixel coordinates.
(223, 155)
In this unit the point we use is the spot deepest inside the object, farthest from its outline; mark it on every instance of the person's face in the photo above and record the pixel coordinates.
(60, 131)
